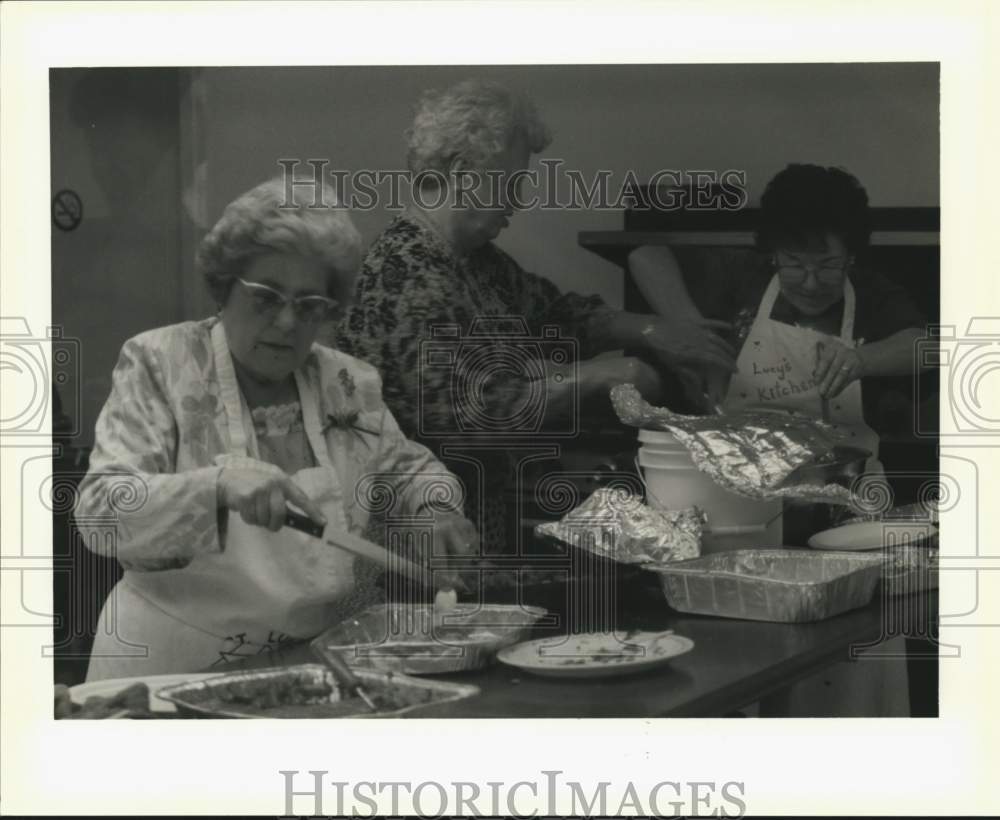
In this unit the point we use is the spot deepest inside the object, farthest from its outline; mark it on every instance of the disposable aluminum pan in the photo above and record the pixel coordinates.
(416, 640)
(308, 691)
(788, 586)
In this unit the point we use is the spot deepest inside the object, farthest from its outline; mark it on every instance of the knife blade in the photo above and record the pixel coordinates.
(359, 546)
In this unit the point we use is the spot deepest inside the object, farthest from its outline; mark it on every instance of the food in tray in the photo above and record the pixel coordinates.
(289, 698)
(292, 698)
(130, 702)
(307, 691)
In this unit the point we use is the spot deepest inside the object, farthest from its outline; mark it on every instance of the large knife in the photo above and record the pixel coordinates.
(359, 546)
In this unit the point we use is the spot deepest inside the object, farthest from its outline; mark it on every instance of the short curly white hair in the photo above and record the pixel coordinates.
(471, 122)
(262, 221)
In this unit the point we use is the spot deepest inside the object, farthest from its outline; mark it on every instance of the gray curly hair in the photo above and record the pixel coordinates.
(262, 221)
(471, 122)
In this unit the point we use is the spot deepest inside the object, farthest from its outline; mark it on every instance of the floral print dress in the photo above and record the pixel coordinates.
(412, 282)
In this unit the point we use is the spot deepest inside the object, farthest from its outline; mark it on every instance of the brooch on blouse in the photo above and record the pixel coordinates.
(347, 420)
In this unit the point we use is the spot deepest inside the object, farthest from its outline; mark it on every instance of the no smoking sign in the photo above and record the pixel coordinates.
(67, 210)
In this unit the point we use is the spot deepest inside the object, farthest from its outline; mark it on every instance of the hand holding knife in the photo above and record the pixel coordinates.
(366, 549)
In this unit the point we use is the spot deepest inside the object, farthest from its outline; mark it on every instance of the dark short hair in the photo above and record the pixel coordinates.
(805, 201)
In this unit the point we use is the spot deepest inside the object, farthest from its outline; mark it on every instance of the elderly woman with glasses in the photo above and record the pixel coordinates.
(815, 325)
(436, 266)
(216, 428)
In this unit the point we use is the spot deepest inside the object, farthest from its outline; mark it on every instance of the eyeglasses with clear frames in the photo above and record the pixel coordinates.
(831, 272)
(269, 302)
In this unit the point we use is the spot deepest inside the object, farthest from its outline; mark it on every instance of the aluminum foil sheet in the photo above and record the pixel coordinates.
(616, 524)
(751, 453)
(308, 691)
(417, 640)
(787, 586)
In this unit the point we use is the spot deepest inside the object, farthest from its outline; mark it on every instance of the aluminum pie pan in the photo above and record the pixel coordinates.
(407, 695)
(777, 585)
(413, 640)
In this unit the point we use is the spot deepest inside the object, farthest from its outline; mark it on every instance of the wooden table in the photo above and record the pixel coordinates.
(734, 663)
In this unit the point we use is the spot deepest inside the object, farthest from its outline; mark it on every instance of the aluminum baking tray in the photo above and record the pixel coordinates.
(308, 691)
(788, 586)
(415, 639)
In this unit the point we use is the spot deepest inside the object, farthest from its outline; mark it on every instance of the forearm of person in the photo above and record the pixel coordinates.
(892, 356)
(657, 275)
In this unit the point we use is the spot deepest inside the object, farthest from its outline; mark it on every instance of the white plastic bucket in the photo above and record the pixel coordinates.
(666, 460)
(658, 440)
(674, 482)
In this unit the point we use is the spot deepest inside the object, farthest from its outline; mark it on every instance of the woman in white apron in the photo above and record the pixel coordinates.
(802, 353)
(214, 428)
(786, 367)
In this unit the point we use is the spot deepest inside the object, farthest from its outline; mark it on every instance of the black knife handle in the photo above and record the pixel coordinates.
(303, 523)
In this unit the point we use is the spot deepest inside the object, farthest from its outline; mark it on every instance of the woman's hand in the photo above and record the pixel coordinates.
(261, 497)
(837, 365)
(455, 536)
(689, 341)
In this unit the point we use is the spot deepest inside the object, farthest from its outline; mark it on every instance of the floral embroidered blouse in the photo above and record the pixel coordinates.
(153, 473)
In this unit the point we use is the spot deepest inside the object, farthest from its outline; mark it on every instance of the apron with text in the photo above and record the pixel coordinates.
(263, 589)
(775, 372)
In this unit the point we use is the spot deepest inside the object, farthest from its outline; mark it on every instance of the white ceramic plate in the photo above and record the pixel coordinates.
(871, 535)
(112, 686)
(596, 655)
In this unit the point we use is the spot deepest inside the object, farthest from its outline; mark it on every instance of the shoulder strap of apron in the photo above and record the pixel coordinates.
(309, 400)
(242, 441)
(846, 322)
(767, 300)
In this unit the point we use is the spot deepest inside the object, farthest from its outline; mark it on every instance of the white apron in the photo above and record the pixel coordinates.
(775, 372)
(263, 589)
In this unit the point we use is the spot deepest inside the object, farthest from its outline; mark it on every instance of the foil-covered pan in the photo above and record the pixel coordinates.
(787, 586)
(616, 524)
(415, 639)
(753, 453)
(308, 691)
